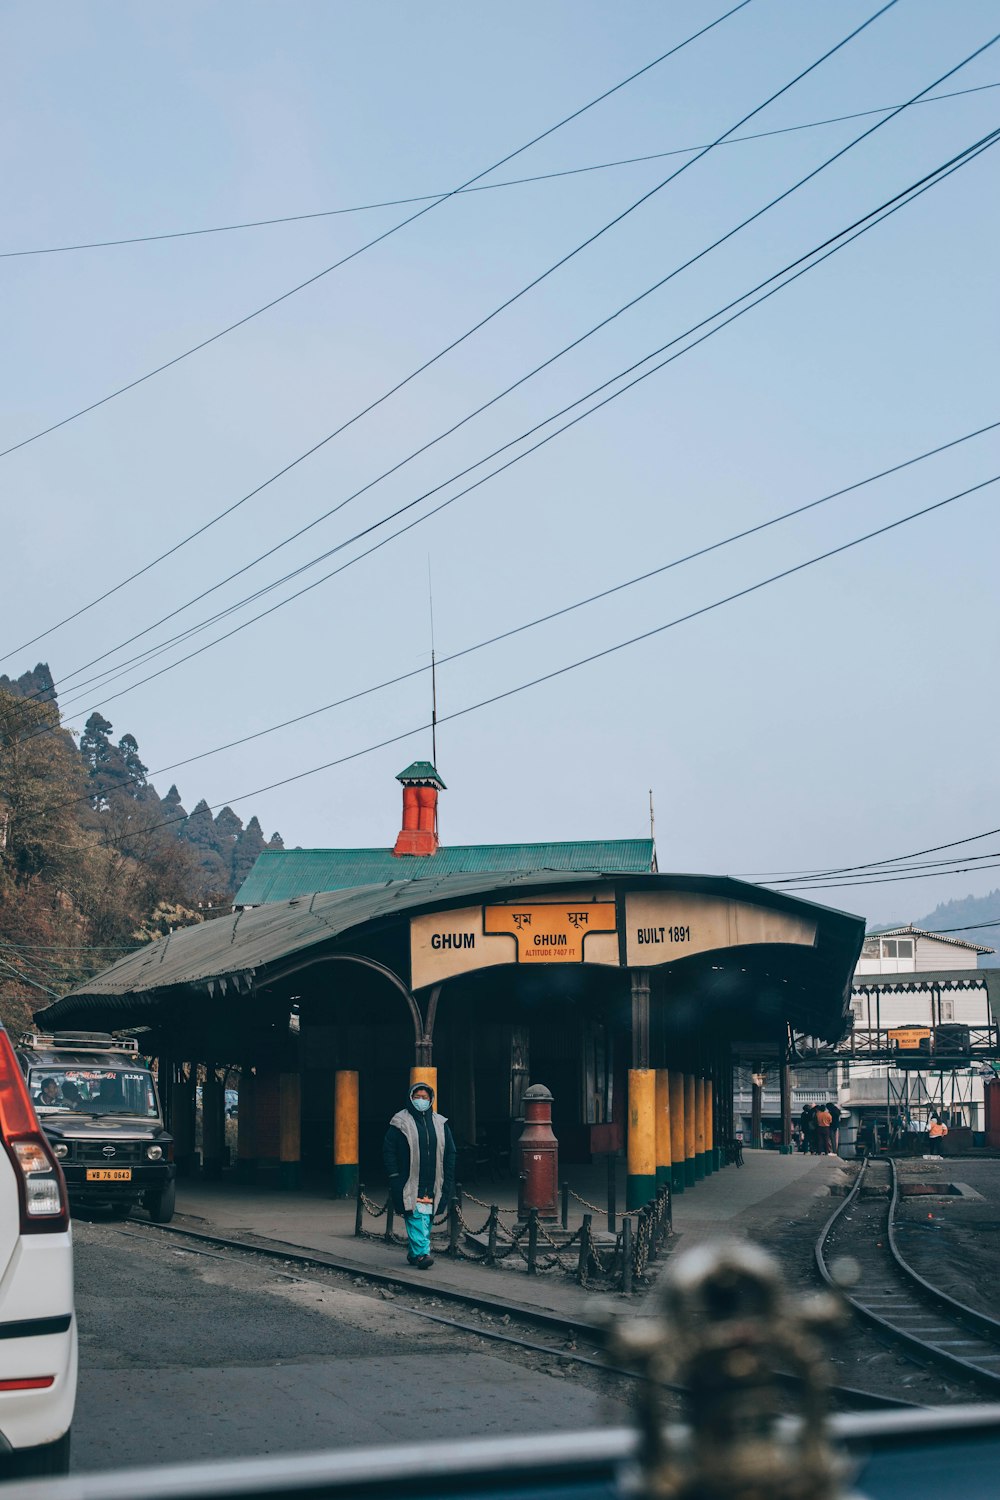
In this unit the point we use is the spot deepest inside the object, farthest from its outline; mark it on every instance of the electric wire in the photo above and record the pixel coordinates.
(471, 415)
(838, 885)
(605, 652)
(469, 332)
(606, 593)
(898, 858)
(369, 244)
(869, 221)
(483, 187)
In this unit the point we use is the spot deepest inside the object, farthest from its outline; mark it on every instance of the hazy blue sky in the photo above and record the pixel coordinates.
(844, 715)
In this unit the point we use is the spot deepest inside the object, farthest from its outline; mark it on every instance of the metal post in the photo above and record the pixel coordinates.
(627, 1257)
(785, 1078)
(652, 1225)
(491, 1247)
(583, 1260)
(565, 1205)
(532, 1240)
(612, 1192)
(389, 1216)
(453, 1227)
(359, 1211)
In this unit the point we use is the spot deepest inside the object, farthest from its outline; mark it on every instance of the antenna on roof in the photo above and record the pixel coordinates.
(434, 697)
(652, 817)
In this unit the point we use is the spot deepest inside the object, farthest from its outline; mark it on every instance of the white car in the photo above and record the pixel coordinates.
(38, 1358)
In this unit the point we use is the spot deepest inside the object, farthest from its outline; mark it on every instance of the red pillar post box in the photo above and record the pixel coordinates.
(539, 1156)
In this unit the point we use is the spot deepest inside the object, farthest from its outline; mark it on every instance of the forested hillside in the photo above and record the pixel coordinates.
(92, 859)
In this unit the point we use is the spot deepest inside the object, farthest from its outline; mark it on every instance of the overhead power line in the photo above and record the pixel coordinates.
(843, 885)
(455, 426)
(369, 244)
(602, 654)
(483, 187)
(899, 858)
(811, 259)
(582, 604)
(468, 333)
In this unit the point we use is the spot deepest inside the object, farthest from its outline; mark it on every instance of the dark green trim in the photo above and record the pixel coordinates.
(345, 1180)
(662, 1177)
(677, 1177)
(699, 1166)
(290, 1175)
(689, 1172)
(640, 1190)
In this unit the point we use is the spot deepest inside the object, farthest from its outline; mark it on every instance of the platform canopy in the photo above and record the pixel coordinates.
(711, 945)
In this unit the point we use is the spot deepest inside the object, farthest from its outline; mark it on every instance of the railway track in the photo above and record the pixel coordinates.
(569, 1329)
(889, 1294)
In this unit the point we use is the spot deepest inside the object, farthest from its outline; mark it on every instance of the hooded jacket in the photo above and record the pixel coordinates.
(418, 1154)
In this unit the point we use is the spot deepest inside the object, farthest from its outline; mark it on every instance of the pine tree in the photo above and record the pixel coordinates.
(135, 771)
(276, 841)
(249, 844)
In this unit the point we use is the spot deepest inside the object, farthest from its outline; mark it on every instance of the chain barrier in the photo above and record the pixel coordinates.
(628, 1260)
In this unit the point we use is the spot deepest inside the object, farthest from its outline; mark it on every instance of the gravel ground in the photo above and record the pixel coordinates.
(954, 1241)
(860, 1358)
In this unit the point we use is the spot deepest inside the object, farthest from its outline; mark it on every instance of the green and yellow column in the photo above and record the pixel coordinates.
(289, 1131)
(345, 1133)
(641, 1145)
(663, 1145)
(699, 1128)
(711, 1165)
(689, 1130)
(676, 1130)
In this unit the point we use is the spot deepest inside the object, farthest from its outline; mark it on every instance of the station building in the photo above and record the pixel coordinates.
(344, 974)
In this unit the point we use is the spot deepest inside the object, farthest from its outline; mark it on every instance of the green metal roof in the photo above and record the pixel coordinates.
(281, 874)
(421, 770)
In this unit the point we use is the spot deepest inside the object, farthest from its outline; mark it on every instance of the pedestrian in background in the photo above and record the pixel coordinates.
(419, 1158)
(834, 1111)
(824, 1120)
(808, 1127)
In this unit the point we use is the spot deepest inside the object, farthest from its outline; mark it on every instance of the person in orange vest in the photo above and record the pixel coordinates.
(824, 1120)
(936, 1130)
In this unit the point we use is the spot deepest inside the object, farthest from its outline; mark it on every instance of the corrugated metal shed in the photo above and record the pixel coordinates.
(280, 874)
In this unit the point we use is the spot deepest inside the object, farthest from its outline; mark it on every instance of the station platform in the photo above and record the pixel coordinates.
(737, 1201)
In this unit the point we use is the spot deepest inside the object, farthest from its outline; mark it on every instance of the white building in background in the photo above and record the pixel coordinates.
(907, 980)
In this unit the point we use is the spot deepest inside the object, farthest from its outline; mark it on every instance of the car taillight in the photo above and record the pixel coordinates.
(41, 1187)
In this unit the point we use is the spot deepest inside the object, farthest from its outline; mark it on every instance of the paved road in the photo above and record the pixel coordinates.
(187, 1355)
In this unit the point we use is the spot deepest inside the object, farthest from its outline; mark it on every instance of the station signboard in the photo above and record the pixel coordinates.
(550, 931)
(663, 926)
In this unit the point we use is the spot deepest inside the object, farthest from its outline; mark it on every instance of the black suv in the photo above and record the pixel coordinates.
(97, 1103)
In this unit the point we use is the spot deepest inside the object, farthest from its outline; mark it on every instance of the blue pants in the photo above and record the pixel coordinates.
(418, 1231)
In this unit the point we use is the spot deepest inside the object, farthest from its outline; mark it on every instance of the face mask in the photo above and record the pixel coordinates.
(421, 1104)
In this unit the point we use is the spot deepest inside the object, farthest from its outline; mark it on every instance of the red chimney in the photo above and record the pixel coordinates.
(421, 784)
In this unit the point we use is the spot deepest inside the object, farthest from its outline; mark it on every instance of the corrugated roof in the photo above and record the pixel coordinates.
(227, 955)
(281, 874)
(939, 937)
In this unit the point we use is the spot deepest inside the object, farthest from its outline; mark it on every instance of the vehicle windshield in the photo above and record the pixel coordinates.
(93, 1091)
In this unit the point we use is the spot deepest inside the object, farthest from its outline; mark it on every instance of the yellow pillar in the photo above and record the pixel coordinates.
(689, 1130)
(699, 1128)
(676, 1130)
(424, 1073)
(711, 1165)
(662, 1128)
(345, 1133)
(641, 1144)
(289, 1129)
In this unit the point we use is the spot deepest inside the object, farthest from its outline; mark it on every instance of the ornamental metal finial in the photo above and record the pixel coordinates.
(727, 1327)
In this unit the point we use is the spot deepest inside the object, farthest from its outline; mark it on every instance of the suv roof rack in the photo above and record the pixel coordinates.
(78, 1041)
